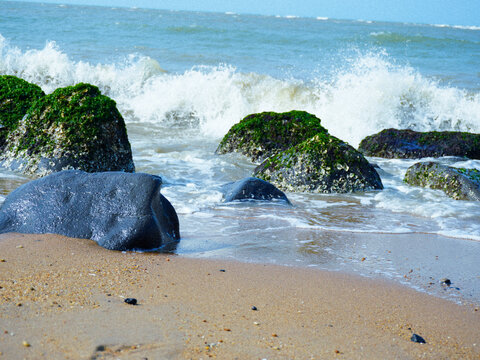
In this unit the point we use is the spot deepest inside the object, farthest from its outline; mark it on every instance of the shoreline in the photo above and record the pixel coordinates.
(64, 299)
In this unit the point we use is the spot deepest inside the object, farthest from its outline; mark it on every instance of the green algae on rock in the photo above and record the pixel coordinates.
(16, 97)
(409, 144)
(457, 183)
(262, 135)
(75, 127)
(321, 164)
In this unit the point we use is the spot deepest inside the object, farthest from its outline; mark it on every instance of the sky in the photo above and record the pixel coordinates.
(459, 12)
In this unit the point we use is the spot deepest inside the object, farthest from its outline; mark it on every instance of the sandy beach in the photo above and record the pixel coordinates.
(64, 298)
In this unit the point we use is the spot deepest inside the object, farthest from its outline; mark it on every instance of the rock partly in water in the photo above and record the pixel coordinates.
(73, 128)
(458, 183)
(16, 97)
(252, 189)
(408, 144)
(322, 164)
(120, 211)
(262, 135)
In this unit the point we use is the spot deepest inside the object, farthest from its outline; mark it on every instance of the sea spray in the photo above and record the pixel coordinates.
(369, 94)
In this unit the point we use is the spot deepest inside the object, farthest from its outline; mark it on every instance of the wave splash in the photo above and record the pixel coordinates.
(366, 95)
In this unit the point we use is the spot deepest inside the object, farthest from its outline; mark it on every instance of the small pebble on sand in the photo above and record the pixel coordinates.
(418, 339)
(131, 301)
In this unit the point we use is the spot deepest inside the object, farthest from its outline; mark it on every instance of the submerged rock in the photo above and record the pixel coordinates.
(261, 135)
(322, 164)
(73, 128)
(409, 144)
(16, 97)
(252, 188)
(120, 211)
(458, 183)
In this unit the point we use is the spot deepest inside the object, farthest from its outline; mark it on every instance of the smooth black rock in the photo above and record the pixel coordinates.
(418, 339)
(252, 188)
(120, 211)
(409, 144)
(446, 281)
(254, 308)
(131, 301)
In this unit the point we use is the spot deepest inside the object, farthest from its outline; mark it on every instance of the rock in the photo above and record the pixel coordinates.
(259, 136)
(409, 144)
(418, 339)
(446, 281)
(322, 164)
(120, 211)
(252, 188)
(131, 301)
(16, 97)
(458, 183)
(73, 128)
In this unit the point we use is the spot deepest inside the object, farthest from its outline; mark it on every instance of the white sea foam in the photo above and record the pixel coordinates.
(367, 95)
(461, 27)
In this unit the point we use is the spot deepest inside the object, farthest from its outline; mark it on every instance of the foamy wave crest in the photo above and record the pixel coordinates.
(372, 94)
(50, 68)
(367, 95)
(461, 27)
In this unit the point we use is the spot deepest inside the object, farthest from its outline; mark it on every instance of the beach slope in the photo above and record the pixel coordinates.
(63, 298)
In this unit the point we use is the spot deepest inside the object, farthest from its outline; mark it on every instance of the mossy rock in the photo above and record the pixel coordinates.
(262, 135)
(75, 127)
(457, 183)
(409, 144)
(16, 97)
(321, 164)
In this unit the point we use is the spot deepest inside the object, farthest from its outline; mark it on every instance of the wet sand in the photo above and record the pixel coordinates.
(63, 298)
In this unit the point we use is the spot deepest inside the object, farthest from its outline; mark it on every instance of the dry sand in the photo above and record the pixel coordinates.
(63, 298)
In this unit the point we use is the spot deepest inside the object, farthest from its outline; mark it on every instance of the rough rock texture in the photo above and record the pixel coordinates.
(458, 183)
(16, 97)
(73, 128)
(408, 144)
(120, 211)
(252, 188)
(259, 136)
(322, 164)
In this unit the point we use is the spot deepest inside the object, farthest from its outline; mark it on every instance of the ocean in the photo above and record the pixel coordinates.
(182, 79)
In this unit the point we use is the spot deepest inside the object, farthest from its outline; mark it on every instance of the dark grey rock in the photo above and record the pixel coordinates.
(409, 144)
(418, 339)
(458, 183)
(120, 211)
(130, 301)
(252, 188)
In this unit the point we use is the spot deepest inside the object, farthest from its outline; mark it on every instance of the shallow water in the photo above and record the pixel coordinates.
(182, 79)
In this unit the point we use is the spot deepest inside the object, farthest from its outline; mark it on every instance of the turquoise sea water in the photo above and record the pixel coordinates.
(182, 79)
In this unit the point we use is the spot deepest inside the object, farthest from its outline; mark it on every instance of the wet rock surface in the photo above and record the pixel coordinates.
(252, 188)
(322, 164)
(75, 127)
(120, 211)
(409, 144)
(261, 135)
(457, 183)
